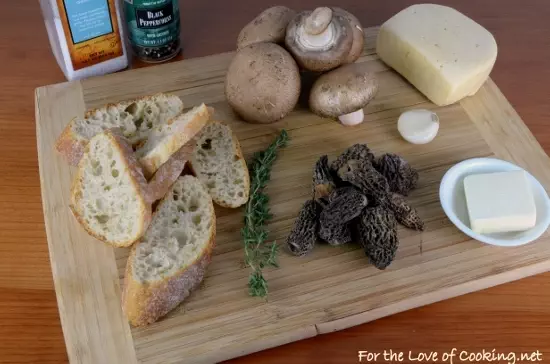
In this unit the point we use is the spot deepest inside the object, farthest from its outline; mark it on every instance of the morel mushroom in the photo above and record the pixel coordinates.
(269, 26)
(303, 235)
(377, 230)
(401, 177)
(320, 40)
(323, 183)
(360, 152)
(344, 207)
(352, 200)
(342, 191)
(343, 93)
(334, 232)
(368, 180)
(405, 213)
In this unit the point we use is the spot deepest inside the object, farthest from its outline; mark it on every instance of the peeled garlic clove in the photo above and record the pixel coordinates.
(418, 126)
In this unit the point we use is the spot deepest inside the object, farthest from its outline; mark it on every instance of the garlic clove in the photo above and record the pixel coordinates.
(418, 126)
(353, 118)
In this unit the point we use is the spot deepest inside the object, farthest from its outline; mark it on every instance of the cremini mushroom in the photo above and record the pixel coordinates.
(343, 93)
(269, 26)
(358, 36)
(320, 40)
(262, 83)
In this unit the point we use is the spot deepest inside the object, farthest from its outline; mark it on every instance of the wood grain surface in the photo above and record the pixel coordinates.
(511, 317)
(330, 289)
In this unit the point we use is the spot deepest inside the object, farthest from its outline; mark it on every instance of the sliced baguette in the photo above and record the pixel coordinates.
(135, 117)
(109, 192)
(171, 259)
(168, 173)
(217, 160)
(165, 139)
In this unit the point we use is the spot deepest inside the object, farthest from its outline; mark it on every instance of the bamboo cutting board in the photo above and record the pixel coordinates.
(331, 289)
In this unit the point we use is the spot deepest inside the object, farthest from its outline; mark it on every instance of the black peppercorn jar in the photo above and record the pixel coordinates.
(153, 28)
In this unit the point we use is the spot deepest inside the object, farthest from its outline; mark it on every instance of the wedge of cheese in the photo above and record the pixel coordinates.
(443, 53)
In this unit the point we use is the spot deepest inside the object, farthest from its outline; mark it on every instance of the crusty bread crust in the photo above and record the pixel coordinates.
(173, 142)
(125, 103)
(138, 181)
(168, 173)
(145, 303)
(238, 151)
(72, 146)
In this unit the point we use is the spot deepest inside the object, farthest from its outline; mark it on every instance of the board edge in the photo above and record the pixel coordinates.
(288, 337)
(471, 107)
(432, 297)
(505, 132)
(70, 328)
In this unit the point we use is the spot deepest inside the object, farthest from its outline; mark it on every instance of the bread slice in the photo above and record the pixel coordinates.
(171, 259)
(135, 117)
(109, 191)
(218, 162)
(168, 173)
(165, 139)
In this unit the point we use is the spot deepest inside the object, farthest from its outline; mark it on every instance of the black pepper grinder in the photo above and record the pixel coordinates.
(153, 29)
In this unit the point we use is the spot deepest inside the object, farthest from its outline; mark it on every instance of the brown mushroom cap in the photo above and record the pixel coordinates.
(269, 26)
(306, 25)
(358, 36)
(262, 83)
(343, 90)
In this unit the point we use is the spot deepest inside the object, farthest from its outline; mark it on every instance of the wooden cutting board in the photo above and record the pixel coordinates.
(331, 289)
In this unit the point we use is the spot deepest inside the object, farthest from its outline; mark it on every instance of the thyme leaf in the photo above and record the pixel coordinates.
(258, 253)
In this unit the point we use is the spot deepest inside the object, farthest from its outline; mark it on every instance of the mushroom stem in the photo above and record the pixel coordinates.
(318, 20)
(317, 31)
(353, 118)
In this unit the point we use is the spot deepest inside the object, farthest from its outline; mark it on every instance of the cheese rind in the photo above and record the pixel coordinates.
(443, 53)
(500, 202)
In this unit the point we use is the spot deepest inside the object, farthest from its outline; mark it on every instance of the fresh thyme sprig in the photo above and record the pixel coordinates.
(258, 253)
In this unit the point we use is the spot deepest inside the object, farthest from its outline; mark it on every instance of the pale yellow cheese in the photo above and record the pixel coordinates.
(443, 53)
(500, 202)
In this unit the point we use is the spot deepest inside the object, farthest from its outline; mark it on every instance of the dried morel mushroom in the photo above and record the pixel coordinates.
(323, 183)
(401, 177)
(368, 180)
(358, 197)
(405, 213)
(334, 233)
(302, 236)
(377, 230)
(360, 152)
(339, 191)
(345, 206)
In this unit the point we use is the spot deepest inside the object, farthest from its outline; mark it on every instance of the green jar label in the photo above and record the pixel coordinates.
(152, 23)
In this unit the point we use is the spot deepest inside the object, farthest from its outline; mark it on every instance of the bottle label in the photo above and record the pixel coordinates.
(92, 31)
(152, 23)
